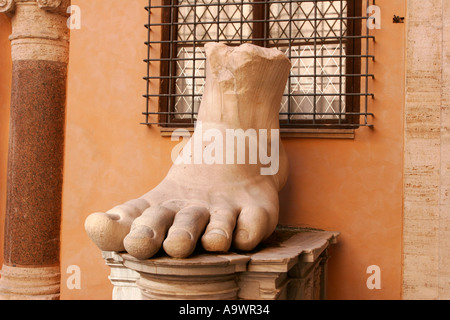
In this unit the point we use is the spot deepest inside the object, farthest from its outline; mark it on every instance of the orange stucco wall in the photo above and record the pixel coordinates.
(355, 187)
(5, 97)
(351, 186)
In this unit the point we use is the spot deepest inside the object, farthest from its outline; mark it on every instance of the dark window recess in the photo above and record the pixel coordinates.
(328, 43)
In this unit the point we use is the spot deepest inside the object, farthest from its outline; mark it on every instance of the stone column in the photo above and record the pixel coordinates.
(39, 44)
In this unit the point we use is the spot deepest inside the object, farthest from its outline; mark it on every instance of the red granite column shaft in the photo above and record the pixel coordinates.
(35, 163)
(39, 44)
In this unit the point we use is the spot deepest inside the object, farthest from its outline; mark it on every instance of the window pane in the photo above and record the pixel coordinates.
(310, 33)
(316, 73)
(201, 21)
(189, 81)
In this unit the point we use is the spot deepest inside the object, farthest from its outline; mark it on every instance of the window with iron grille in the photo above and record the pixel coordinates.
(324, 40)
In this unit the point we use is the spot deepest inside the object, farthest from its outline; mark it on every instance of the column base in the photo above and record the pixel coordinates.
(19, 283)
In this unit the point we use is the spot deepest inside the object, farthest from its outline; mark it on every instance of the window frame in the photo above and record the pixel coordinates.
(353, 73)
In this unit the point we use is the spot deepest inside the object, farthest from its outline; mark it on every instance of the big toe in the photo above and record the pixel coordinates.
(107, 230)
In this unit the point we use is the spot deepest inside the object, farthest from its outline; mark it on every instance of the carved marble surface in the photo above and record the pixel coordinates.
(224, 203)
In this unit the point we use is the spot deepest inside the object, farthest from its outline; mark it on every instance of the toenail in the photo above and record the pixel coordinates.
(142, 232)
(219, 232)
(242, 234)
(180, 234)
(113, 216)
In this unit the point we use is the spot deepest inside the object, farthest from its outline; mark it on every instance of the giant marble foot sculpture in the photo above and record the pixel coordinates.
(232, 200)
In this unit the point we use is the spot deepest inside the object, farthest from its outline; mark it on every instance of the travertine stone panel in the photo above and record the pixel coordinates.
(444, 259)
(427, 145)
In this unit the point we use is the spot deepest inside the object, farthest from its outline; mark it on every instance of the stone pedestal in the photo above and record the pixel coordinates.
(123, 279)
(290, 265)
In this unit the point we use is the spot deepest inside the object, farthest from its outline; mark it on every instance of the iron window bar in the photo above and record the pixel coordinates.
(222, 4)
(238, 42)
(352, 101)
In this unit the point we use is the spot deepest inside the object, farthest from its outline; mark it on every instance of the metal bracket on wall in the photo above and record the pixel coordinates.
(398, 19)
